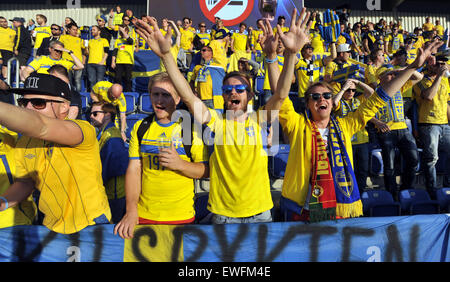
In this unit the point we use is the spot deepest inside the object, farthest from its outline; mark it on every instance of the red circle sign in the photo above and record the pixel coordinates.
(235, 11)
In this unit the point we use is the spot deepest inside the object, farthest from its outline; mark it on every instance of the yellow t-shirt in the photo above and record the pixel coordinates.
(330, 69)
(219, 52)
(427, 26)
(204, 37)
(434, 111)
(96, 50)
(76, 44)
(254, 42)
(239, 185)
(125, 52)
(7, 36)
(69, 179)
(166, 195)
(439, 30)
(187, 36)
(41, 33)
(25, 211)
(239, 41)
(43, 63)
(317, 43)
(303, 69)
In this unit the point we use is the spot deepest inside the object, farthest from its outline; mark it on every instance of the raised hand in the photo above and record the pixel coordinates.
(159, 43)
(423, 54)
(268, 40)
(298, 34)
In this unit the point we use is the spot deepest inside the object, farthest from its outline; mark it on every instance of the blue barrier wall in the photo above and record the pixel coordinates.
(405, 238)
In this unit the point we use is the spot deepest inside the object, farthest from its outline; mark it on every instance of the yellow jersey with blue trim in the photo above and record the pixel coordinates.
(239, 179)
(69, 178)
(25, 211)
(43, 63)
(41, 32)
(347, 106)
(166, 195)
(101, 90)
(308, 72)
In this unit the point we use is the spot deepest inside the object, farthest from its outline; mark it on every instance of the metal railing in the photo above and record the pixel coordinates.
(17, 75)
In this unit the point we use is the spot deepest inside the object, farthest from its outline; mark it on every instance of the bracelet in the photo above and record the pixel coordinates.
(269, 61)
(70, 52)
(6, 203)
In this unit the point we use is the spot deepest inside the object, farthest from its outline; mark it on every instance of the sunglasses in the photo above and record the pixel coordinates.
(54, 28)
(316, 96)
(203, 26)
(240, 88)
(351, 90)
(37, 103)
(204, 50)
(95, 113)
(126, 19)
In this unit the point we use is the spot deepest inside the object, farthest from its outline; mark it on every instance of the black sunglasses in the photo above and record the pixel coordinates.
(95, 113)
(351, 90)
(316, 96)
(37, 103)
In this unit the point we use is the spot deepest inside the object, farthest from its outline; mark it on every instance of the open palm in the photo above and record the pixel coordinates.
(269, 40)
(159, 43)
(298, 34)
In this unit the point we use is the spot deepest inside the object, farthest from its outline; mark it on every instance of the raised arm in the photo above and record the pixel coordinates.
(401, 77)
(293, 41)
(161, 46)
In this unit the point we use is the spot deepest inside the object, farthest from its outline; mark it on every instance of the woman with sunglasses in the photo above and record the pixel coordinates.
(240, 186)
(57, 156)
(319, 182)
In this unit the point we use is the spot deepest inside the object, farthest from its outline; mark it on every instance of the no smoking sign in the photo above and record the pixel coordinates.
(232, 12)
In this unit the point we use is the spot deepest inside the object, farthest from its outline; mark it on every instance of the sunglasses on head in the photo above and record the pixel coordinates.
(95, 113)
(37, 103)
(240, 88)
(316, 96)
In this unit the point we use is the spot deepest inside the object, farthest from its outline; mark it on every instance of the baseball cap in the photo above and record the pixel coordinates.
(343, 48)
(44, 84)
(222, 33)
(17, 19)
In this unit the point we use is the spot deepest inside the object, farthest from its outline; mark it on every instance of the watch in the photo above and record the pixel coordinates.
(70, 52)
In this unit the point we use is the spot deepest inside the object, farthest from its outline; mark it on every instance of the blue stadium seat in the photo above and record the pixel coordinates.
(417, 201)
(379, 203)
(145, 105)
(376, 163)
(278, 160)
(259, 83)
(131, 99)
(131, 120)
(443, 198)
(85, 101)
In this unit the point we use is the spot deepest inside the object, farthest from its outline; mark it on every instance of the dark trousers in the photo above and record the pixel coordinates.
(123, 76)
(361, 164)
(404, 141)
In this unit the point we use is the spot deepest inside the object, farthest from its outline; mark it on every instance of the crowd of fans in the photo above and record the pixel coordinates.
(99, 59)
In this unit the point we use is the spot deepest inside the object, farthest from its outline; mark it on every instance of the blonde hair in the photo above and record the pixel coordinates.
(160, 77)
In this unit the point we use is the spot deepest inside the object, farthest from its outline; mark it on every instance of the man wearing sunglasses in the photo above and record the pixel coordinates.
(319, 182)
(432, 97)
(43, 63)
(57, 156)
(113, 154)
(239, 186)
(55, 34)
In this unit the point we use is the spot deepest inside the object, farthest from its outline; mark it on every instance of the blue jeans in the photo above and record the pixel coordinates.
(261, 217)
(95, 73)
(405, 142)
(434, 137)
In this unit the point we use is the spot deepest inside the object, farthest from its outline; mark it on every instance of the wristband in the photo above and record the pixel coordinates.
(6, 203)
(269, 61)
(70, 52)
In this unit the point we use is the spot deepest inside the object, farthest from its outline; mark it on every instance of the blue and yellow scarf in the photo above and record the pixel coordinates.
(334, 190)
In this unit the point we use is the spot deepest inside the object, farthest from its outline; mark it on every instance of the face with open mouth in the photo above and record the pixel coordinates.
(235, 92)
(320, 102)
(164, 100)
